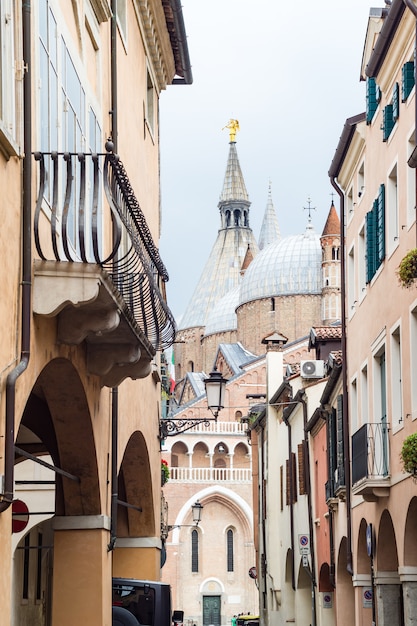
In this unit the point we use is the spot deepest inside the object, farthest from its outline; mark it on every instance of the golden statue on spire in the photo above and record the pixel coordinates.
(233, 127)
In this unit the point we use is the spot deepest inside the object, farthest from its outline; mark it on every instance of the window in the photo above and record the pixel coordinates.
(361, 180)
(396, 382)
(371, 99)
(411, 184)
(150, 104)
(122, 18)
(375, 235)
(9, 94)
(194, 551)
(408, 80)
(354, 405)
(364, 396)
(413, 361)
(351, 281)
(230, 555)
(392, 210)
(396, 102)
(362, 262)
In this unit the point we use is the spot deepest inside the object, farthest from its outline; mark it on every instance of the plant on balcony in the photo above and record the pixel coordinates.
(409, 455)
(164, 472)
(407, 270)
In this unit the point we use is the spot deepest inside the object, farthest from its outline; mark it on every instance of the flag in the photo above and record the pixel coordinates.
(172, 372)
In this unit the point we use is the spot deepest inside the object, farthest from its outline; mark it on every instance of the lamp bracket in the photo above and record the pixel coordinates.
(175, 426)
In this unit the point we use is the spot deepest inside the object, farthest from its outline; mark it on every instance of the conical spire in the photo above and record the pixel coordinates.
(332, 225)
(222, 271)
(270, 229)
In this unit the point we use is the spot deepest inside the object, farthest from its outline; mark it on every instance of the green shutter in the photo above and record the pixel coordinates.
(388, 122)
(408, 79)
(371, 100)
(396, 102)
(380, 226)
(340, 443)
(370, 245)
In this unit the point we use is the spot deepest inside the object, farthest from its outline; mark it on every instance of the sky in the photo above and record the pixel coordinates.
(289, 72)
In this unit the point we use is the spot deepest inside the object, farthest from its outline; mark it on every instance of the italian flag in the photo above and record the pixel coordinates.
(172, 372)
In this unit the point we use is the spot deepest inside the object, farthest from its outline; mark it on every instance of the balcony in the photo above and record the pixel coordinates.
(370, 461)
(99, 272)
(210, 474)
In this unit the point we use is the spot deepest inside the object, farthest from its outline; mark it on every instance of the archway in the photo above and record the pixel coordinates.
(389, 599)
(345, 591)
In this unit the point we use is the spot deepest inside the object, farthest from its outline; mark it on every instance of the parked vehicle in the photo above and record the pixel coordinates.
(247, 620)
(141, 603)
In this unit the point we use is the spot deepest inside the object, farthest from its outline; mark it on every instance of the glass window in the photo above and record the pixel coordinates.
(194, 551)
(230, 547)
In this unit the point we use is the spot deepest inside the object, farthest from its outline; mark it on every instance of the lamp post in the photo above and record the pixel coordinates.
(215, 386)
(197, 510)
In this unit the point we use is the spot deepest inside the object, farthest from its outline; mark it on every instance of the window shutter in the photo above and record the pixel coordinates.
(380, 226)
(340, 443)
(408, 80)
(331, 450)
(396, 102)
(287, 482)
(370, 245)
(301, 470)
(371, 100)
(388, 122)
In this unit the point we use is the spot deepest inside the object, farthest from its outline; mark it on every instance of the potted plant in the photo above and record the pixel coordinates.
(409, 455)
(407, 270)
(164, 472)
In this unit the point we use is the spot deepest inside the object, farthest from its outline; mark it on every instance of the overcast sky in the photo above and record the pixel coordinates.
(289, 71)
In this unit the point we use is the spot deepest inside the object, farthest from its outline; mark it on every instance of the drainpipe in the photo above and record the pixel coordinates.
(310, 513)
(349, 562)
(290, 467)
(114, 391)
(26, 267)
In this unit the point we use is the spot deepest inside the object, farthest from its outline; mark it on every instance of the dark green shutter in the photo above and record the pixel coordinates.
(388, 122)
(396, 102)
(340, 443)
(370, 245)
(380, 227)
(408, 79)
(371, 100)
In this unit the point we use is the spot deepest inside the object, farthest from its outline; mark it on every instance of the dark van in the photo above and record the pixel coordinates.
(141, 602)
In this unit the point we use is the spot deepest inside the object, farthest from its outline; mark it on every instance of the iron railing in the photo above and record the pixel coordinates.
(370, 452)
(70, 194)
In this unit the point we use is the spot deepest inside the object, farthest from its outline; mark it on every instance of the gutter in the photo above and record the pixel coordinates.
(385, 37)
(10, 418)
(291, 481)
(187, 78)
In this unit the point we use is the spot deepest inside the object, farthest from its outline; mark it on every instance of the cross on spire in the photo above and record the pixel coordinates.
(309, 208)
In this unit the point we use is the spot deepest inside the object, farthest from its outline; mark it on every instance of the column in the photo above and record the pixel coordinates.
(362, 585)
(137, 557)
(81, 589)
(408, 577)
(388, 598)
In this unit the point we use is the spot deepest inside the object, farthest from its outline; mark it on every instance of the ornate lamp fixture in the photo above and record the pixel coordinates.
(197, 510)
(215, 386)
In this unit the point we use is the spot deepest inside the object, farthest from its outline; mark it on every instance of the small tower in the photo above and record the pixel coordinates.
(330, 245)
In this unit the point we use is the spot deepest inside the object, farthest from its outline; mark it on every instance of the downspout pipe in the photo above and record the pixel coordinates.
(187, 77)
(26, 266)
(341, 151)
(113, 74)
(302, 400)
(349, 558)
(291, 481)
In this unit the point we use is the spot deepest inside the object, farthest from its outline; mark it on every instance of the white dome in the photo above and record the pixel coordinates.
(291, 266)
(223, 316)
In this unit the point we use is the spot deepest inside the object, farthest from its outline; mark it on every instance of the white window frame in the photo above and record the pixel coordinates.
(11, 74)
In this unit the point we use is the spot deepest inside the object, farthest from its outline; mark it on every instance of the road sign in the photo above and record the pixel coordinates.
(304, 544)
(20, 516)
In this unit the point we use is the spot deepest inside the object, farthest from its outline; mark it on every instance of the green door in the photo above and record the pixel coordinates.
(211, 611)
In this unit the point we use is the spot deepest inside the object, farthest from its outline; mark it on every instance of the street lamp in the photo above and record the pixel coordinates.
(197, 510)
(215, 386)
(215, 391)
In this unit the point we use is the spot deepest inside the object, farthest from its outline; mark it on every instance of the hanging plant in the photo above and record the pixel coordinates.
(407, 270)
(164, 472)
(409, 455)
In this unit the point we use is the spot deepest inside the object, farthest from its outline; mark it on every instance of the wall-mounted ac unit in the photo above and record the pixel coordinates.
(312, 369)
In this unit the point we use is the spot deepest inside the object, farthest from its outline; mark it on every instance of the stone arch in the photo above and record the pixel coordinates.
(410, 535)
(200, 455)
(325, 583)
(362, 565)
(386, 552)
(56, 421)
(289, 594)
(179, 453)
(344, 586)
(303, 600)
(135, 487)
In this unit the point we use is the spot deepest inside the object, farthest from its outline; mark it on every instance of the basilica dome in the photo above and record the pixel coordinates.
(291, 266)
(223, 316)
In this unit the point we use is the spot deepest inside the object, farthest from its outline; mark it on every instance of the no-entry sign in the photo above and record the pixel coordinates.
(20, 516)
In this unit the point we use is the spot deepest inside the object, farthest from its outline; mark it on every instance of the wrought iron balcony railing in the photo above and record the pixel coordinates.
(71, 188)
(370, 456)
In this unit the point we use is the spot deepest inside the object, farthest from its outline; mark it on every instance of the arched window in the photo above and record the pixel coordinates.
(230, 560)
(194, 551)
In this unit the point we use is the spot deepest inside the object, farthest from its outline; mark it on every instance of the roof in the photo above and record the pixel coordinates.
(223, 316)
(234, 188)
(236, 356)
(270, 229)
(332, 225)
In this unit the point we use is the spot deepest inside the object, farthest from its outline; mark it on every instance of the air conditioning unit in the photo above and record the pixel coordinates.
(312, 369)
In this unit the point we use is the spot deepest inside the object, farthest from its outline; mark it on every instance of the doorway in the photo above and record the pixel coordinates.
(211, 611)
